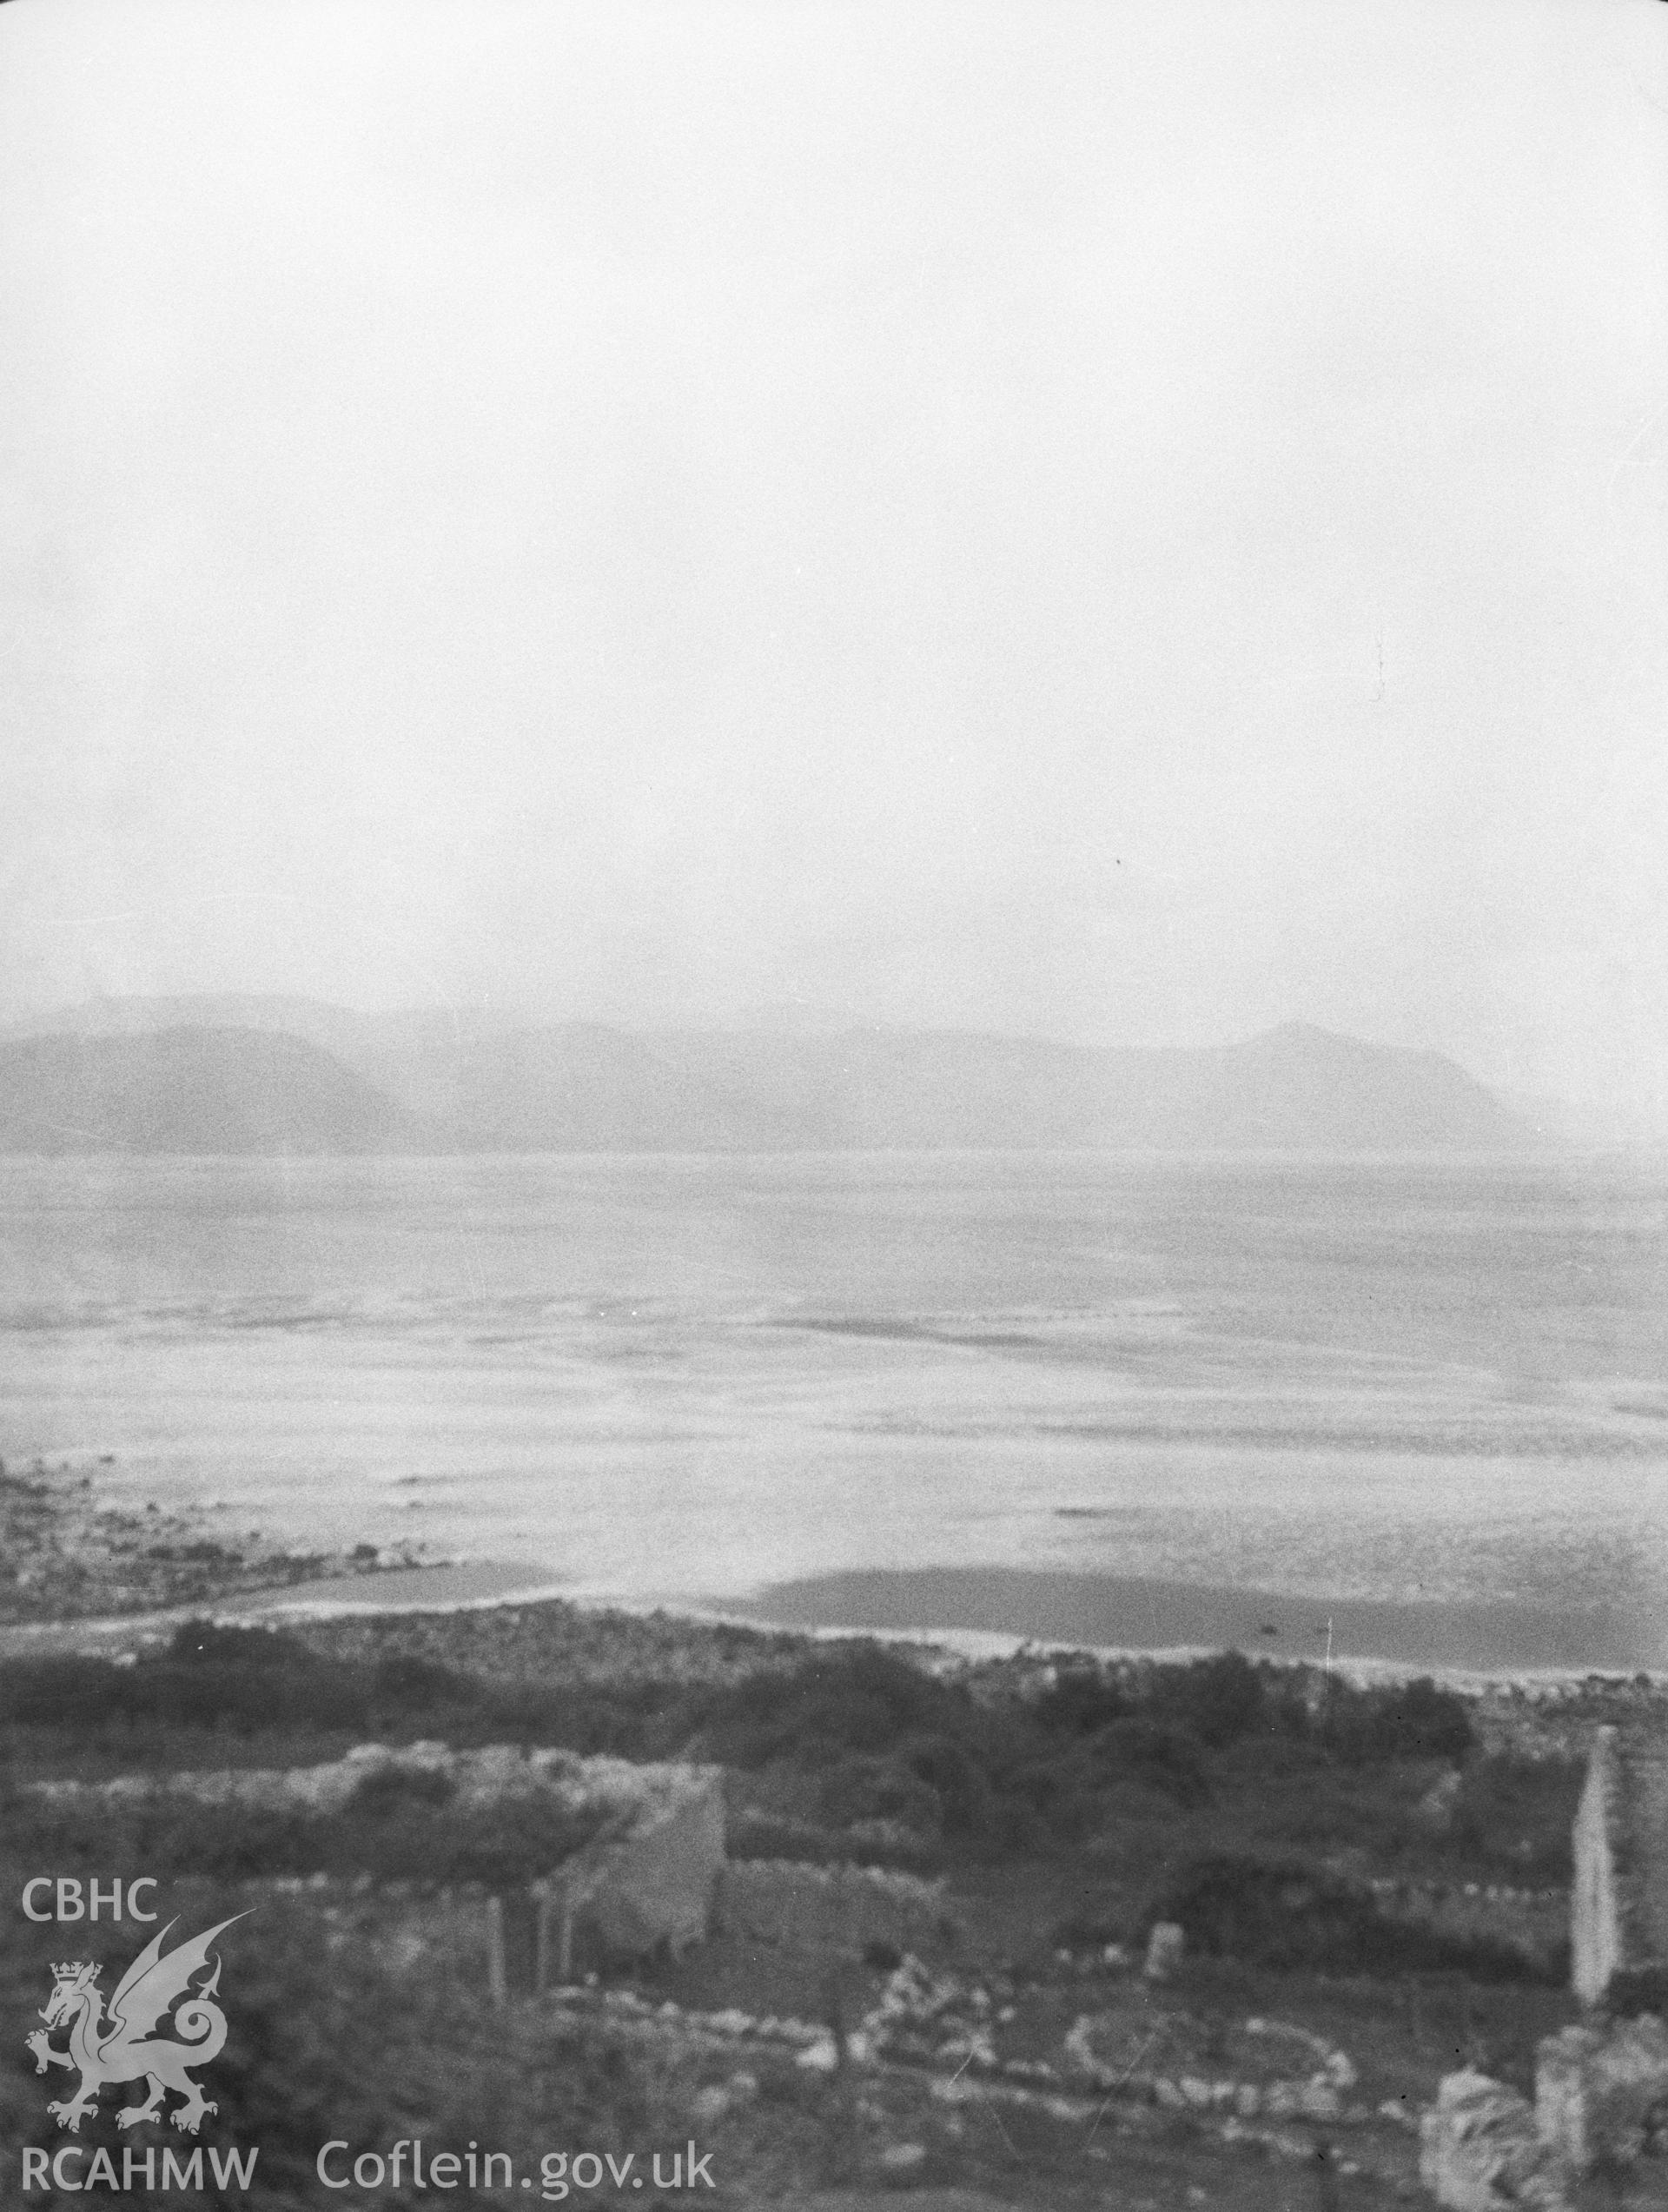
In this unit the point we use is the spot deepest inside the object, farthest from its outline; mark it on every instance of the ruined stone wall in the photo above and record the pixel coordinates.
(1618, 1906)
(653, 1882)
(1596, 1947)
(487, 1775)
(1534, 1923)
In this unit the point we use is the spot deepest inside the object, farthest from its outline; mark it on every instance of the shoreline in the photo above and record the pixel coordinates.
(1078, 1610)
(90, 1577)
(474, 1598)
(68, 1555)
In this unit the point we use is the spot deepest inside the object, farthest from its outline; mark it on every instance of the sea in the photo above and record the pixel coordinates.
(714, 1380)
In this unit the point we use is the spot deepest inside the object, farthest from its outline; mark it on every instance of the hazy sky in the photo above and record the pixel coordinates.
(1132, 522)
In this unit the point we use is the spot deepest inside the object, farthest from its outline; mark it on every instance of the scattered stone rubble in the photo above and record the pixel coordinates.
(726, 2028)
(928, 2019)
(1601, 2100)
(937, 2026)
(1393, 1892)
(1265, 2069)
(1479, 2150)
(1601, 2093)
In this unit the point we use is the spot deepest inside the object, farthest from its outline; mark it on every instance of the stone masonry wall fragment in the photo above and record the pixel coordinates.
(810, 1908)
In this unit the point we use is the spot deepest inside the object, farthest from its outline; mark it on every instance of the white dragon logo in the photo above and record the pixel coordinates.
(123, 2047)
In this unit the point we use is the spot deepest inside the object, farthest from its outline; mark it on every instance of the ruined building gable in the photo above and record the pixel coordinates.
(1618, 1920)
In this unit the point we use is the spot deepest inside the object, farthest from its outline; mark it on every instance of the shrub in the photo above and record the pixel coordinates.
(1051, 1796)
(1164, 1757)
(404, 1682)
(247, 1678)
(1517, 1816)
(958, 1780)
(1080, 1702)
(1218, 1699)
(388, 1793)
(1286, 1915)
(207, 1643)
(73, 1693)
(253, 1681)
(864, 1788)
(394, 1828)
(1410, 1720)
(1081, 1931)
(858, 1699)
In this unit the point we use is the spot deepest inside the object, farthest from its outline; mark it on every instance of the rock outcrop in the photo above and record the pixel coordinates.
(1165, 1947)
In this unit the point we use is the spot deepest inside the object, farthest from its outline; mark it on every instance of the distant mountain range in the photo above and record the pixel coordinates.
(288, 1075)
(192, 1090)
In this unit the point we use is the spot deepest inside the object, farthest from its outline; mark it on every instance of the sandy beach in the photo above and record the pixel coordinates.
(86, 1573)
(1132, 1613)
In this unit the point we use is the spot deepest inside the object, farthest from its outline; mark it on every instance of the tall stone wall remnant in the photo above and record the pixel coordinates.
(1619, 1902)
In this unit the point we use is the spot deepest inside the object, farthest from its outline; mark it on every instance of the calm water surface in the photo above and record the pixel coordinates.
(688, 1377)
